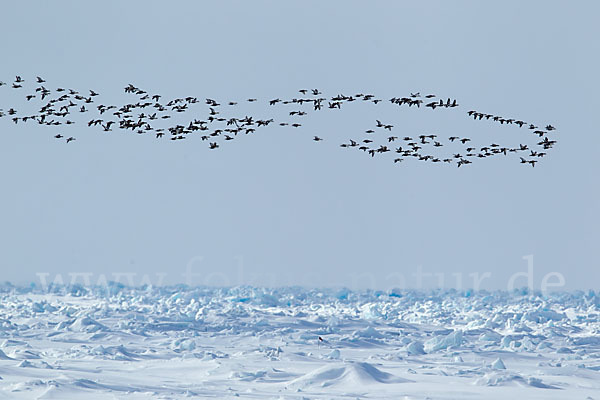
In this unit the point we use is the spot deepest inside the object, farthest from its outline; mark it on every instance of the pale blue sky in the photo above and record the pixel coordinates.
(296, 211)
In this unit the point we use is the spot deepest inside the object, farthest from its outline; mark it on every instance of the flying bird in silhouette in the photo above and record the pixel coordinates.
(148, 113)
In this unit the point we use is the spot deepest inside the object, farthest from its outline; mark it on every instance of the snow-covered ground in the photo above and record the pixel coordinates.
(176, 342)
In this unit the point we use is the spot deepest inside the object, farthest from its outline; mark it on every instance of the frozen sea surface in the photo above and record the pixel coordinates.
(178, 343)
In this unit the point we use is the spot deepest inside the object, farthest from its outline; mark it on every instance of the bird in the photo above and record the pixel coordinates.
(148, 113)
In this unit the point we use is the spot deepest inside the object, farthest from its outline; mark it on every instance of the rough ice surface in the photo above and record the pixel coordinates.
(115, 342)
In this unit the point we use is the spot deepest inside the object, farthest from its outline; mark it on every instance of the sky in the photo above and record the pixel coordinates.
(278, 209)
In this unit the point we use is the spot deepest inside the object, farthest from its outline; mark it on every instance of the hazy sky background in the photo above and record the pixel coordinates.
(277, 206)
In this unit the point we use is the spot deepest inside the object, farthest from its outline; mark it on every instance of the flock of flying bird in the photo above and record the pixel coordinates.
(149, 114)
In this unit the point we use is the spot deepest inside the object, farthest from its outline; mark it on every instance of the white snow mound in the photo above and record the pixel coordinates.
(344, 374)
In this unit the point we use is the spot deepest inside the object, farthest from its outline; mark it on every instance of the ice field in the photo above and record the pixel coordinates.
(178, 343)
